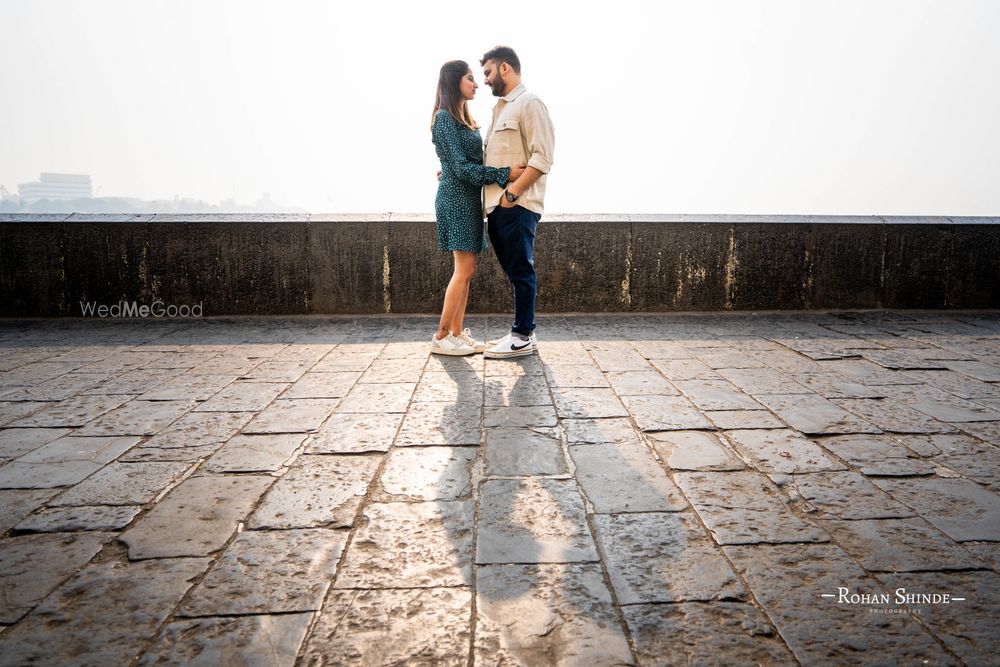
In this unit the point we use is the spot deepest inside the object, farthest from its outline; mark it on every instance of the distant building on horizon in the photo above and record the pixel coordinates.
(56, 187)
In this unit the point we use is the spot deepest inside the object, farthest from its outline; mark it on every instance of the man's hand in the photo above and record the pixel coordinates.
(506, 204)
(439, 174)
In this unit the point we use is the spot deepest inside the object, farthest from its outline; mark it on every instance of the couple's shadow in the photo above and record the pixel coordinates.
(541, 596)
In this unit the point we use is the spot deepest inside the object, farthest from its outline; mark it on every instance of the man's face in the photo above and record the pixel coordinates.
(494, 79)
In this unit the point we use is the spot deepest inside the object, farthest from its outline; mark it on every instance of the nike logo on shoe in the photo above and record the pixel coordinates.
(519, 347)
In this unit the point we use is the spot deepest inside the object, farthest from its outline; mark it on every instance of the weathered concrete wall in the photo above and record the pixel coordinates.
(286, 264)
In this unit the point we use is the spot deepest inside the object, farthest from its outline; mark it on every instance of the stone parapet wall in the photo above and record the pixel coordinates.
(321, 263)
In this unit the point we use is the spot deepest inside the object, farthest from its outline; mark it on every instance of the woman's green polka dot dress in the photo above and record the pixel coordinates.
(458, 204)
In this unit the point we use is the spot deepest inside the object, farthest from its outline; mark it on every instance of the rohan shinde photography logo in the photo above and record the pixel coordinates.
(135, 309)
(880, 603)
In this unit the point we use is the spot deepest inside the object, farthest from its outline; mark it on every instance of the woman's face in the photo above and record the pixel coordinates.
(467, 86)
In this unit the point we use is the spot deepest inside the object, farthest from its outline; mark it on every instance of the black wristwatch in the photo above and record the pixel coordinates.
(510, 196)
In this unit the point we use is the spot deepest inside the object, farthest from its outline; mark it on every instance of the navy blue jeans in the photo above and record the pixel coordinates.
(512, 234)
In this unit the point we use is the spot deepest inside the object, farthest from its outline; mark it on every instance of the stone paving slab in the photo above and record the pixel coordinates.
(32, 565)
(71, 412)
(322, 385)
(615, 431)
(377, 398)
(254, 453)
(814, 415)
(411, 544)
(974, 643)
(942, 405)
(123, 484)
(427, 473)
(318, 491)
(93, 449)
(441, 424)
(292, 415)
(384, 627)
(576, 402)
(960, 508)
(16, 504)
(623, 478)
(736, 630)
(137, 418)
(102, 616)
(516, 391)
(95, 517)
(197, 429)
(716, 395)
(450, 387)
(573, 373)
(196, 518)
(21, 475)
(269, 639)
(515, 416)
(546, 614)
(900, 545)
(268, 572)
(523, 451)
(745, 508)
(532, 520)
(16, 442)
(781, 451)
(648, 489)
(789, 581)
(187, 386)
(843, 495)
(878, 455)
(694, 450)
(664, 557)
(355, 434)
(665, 413)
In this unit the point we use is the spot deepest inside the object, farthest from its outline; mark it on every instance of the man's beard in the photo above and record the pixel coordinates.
(497, 88)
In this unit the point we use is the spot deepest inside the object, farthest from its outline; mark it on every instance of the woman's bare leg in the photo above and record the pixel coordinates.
(456, 297)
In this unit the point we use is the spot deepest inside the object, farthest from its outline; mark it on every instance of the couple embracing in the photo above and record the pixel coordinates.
(506, 184)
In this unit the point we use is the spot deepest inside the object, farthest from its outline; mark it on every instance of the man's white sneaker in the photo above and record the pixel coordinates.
(531, 337)
(450, 345)
(510, 346)
(477, 345)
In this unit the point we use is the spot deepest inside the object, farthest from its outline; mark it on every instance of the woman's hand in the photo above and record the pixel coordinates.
(515, 172)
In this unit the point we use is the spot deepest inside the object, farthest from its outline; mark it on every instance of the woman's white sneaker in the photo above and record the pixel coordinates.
(511, 346)
(451, 345)
(477, 345)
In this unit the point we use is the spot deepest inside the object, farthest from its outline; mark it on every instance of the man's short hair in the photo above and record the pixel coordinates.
(503, 54)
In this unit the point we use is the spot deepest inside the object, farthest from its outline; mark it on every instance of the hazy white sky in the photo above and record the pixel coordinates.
(746, 106)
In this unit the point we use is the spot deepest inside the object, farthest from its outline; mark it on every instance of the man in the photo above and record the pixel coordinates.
(521, 133)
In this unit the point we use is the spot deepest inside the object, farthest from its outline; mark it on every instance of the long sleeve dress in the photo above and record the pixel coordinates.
(458, 205)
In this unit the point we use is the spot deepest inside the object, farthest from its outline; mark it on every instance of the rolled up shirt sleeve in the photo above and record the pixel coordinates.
(539, 135)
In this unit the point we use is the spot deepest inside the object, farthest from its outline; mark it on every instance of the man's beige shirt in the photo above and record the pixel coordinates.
(521, 133)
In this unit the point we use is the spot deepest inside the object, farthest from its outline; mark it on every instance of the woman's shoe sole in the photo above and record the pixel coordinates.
(448, 353)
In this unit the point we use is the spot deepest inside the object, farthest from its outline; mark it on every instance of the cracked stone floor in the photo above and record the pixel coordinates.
(647, 490)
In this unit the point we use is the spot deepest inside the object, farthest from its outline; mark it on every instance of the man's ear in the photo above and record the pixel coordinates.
(504, 69)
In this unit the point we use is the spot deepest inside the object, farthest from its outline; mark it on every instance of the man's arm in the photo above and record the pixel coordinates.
(540, 141)
(523, 182)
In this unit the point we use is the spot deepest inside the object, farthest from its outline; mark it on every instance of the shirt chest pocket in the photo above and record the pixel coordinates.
(506, 138)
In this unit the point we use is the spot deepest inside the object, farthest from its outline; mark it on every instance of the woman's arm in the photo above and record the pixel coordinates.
(445, 135)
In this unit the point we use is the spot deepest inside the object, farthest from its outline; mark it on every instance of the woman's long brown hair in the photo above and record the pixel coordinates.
(449, 95)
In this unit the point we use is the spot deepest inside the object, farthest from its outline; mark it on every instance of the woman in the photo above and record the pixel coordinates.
(458, 205)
